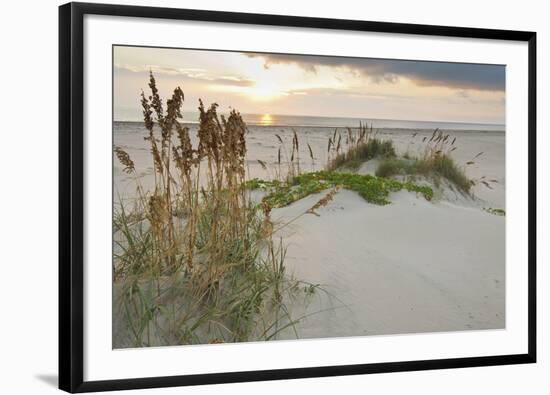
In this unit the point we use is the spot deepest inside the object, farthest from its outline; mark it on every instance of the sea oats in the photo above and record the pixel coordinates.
(125, 159)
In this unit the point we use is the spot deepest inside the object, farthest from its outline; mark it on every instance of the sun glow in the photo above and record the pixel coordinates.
(266, 119)
(265, 90)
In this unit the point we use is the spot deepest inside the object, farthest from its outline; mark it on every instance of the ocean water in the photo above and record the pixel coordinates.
(275, 120)
(301, 121)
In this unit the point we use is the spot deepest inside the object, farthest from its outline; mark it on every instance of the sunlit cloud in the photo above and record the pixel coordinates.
(422, 73)
(187, 74)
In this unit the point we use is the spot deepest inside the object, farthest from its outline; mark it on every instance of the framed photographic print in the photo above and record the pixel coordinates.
(257, 197)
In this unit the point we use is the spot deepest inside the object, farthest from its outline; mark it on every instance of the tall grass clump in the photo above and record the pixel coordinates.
(351, 149)
(194, 257)
(434, 162)
(288, 161)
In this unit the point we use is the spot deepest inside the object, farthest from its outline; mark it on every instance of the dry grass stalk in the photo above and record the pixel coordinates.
(198, 228)
(323, 201)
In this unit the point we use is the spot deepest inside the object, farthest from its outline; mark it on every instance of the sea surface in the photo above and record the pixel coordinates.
(301, 121)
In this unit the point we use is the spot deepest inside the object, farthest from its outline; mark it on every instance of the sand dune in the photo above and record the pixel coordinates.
(412, 266)
(407, 267)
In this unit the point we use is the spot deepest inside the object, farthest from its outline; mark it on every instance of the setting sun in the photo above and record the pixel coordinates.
(266, 119)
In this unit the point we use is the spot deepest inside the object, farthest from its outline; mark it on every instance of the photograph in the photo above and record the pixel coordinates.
(279, 196)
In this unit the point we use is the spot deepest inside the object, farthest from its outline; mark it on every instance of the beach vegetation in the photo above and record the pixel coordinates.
(437, 167)
(349, 150)
(373, 189)
(194, 258)
(288, 160)
(435, 163)
(495, 211)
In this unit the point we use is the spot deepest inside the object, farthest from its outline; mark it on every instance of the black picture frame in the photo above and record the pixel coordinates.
(71, 204)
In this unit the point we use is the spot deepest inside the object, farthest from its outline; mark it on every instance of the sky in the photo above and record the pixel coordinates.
(262, 83)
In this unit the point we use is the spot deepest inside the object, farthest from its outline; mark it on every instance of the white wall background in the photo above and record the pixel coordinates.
(28, 197)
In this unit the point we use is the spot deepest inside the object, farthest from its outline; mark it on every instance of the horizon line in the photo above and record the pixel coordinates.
(342, 117)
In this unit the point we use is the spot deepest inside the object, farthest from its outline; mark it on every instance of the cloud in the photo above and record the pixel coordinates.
(347, 92)
(188, 74)
(423, 73)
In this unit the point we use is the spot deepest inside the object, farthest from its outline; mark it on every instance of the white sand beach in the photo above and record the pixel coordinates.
(412, 266)
(408, 267)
